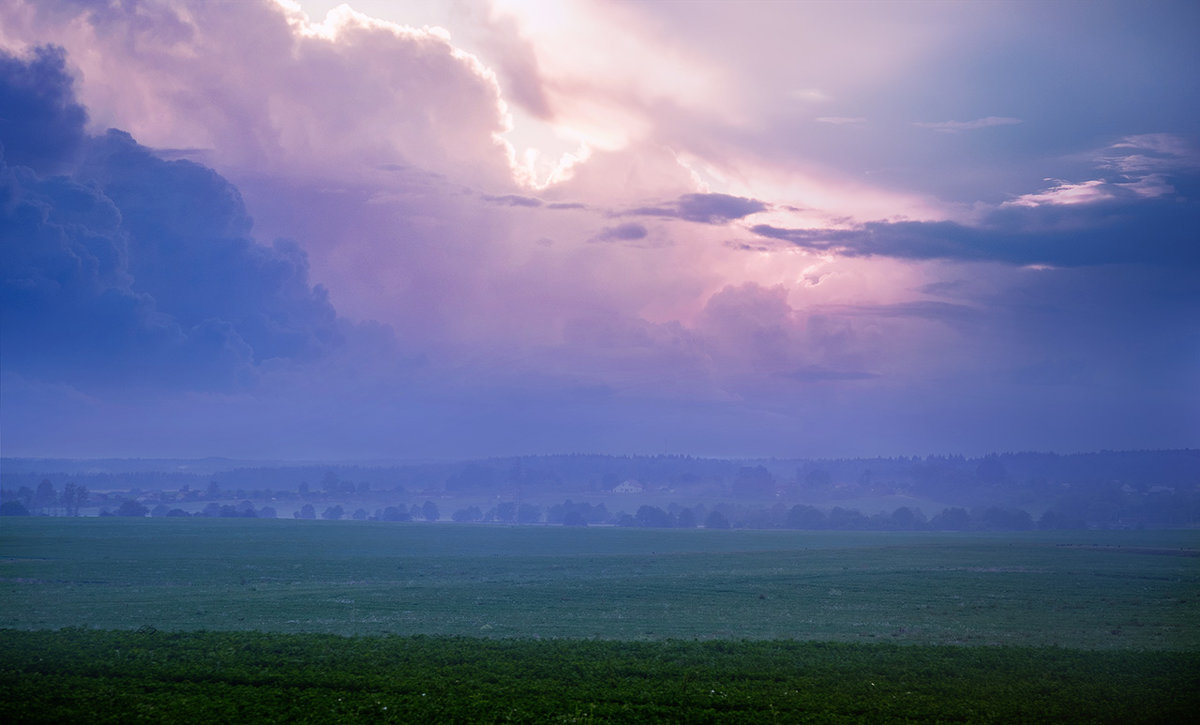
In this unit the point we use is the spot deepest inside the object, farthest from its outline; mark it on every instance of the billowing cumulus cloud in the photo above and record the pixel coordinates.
(259, 85)
(42, 124)
(128, 268)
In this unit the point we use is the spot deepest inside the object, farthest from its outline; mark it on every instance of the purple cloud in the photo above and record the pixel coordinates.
(627, 232)
(129, 267)
(514, 200)
(704, 208)
(1112, 231)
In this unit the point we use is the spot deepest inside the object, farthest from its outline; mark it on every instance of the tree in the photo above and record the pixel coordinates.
(333, 513)
(817, 479)
(429, 510)
(45, 496)
(468, 515)
(802, 516)
(653, 517)
(13, 508)
(73, 498)
(1052, 519)
(755, 482)
(951, 519)
(716, 520)
(395, 513)
(846, 519)
(306, 512)
(686, 519)
(25, 496)
(906, 519)
(505, 512)
(528, 513)
(574, 518)
(129, 507)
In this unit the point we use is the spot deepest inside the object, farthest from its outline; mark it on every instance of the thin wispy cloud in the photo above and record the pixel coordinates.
(842, 120)
(958, 126)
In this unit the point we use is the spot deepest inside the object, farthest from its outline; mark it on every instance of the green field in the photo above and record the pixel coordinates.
(125, 677)
(203, 620)
(1085, 590)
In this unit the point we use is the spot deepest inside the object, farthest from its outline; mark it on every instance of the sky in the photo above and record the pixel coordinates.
(401, 230)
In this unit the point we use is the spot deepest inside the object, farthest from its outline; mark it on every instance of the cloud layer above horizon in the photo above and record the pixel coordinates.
(381, 230)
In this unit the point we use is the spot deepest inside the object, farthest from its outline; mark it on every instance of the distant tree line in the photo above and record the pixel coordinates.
(44, 500)
(1099, 490)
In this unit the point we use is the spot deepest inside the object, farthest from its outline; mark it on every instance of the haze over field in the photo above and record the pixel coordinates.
(275, 230)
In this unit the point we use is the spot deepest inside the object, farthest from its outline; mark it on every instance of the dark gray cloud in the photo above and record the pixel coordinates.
(704, 208)
(41, 125)
(130, 268)
(1160, 231)
(514, 200)
(627, 232)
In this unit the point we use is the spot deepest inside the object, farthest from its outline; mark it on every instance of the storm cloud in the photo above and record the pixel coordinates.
(129, 268)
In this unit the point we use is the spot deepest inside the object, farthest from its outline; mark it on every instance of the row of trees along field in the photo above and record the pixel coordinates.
(568, 513)
(1107, 489)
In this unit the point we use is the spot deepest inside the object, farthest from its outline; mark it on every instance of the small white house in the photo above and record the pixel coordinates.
(629, 486)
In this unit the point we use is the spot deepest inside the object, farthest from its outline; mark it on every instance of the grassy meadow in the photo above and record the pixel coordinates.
(203, 620)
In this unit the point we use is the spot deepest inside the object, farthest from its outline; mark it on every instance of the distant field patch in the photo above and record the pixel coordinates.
(1061, 589)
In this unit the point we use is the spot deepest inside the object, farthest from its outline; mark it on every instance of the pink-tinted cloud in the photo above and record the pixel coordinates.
(259, 87)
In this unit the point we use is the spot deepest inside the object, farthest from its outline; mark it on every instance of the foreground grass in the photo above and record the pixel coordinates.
(94, 676)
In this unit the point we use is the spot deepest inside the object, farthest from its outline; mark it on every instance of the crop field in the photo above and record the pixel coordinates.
(202, 620)
(125, 677)
(1082, 590)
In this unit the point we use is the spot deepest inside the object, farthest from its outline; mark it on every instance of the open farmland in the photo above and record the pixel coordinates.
(1084, 590)
(549, 624)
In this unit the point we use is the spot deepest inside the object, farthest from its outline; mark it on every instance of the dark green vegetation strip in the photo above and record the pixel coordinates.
(1078, 590)
(95, 676)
